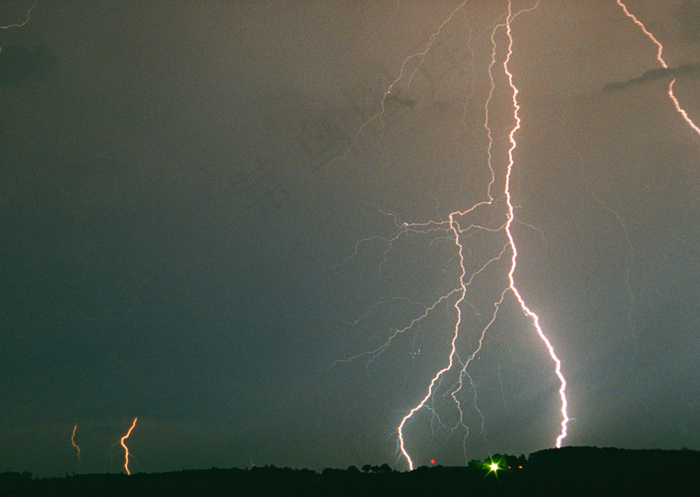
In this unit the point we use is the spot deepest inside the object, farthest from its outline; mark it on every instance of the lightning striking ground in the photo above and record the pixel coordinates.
(126, 449)
(457, 228)
(77, 448)
(514, 254)
(511, 216)
(662, 61)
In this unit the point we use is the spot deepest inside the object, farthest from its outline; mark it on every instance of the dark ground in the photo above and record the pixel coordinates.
(570, 471)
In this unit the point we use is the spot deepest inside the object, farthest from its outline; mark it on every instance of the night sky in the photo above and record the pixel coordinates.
(202, 210)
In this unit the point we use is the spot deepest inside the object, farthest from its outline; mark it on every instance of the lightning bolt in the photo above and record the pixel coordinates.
(512, 288)
(420, 57)
(20, 24)
(509, 234)
(662, 61)
(126, 449)
(457, 228)
(72, 441)
(23, 23)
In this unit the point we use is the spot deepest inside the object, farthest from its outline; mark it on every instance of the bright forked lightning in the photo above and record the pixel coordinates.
(454, 225)
(72, 441)
(126, 449)
(458, 228)
(662, 61)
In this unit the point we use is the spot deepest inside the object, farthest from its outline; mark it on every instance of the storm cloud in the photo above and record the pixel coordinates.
(655, 75)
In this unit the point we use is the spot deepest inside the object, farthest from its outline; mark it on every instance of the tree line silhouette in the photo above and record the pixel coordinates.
(570, 471)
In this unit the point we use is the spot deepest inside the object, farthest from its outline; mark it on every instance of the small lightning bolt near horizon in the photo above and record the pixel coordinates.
(77, 448)
(126, 449)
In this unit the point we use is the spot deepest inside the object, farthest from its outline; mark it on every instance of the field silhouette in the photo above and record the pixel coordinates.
(570, 471)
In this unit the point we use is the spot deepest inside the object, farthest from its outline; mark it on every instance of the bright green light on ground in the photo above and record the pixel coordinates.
(494, 467)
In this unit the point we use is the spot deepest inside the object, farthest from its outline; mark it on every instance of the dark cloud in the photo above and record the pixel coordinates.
(653, 75)
(322, 138)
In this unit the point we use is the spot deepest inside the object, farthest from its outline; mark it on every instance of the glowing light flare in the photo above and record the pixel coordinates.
(493, 467)
(126, 449)
(72, 441)
(662, 61)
